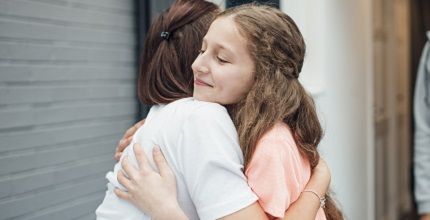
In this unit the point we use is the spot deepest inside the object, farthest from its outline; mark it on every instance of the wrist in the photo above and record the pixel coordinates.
(310, 200)
(319, 188)
(320, 178)
(320, 198)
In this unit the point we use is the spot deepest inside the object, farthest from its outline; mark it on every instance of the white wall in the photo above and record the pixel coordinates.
(338, 71)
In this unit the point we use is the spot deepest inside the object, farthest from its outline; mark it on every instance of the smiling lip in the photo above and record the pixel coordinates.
(201, 83)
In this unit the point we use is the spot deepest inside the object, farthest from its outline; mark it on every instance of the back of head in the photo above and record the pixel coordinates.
(277, 49)
(173, 41)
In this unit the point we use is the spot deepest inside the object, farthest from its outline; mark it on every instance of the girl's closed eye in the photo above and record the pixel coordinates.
(221, 60)
(201, 51)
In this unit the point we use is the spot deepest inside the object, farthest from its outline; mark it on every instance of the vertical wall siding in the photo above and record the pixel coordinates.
(67, 94)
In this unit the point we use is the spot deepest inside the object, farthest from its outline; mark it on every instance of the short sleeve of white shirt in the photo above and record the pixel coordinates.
(209, 164)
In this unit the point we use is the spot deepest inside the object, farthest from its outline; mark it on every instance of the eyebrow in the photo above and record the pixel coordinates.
(218, 45)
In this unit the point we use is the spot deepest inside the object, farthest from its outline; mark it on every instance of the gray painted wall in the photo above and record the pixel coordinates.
(67, 94)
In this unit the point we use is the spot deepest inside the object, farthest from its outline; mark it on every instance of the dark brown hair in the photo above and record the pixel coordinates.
(165, 69)
(277, 49)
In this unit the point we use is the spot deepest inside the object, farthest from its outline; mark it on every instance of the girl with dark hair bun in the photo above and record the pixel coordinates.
(197, 135)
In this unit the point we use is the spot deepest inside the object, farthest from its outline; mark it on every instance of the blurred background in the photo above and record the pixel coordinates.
(68, 71)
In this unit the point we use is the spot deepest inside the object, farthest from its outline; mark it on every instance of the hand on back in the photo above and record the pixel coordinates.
(126, 139)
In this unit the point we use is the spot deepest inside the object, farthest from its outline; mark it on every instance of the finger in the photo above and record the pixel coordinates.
(121, 194)
(127, 141)
(117, 149)
(141, 158)
(128, 136)
(139, 124)
(120, 147)
(133, 129)
(161, 162)
(129, 132)
(129, 169)
(117, 156)
(124, 181)
(123, 144)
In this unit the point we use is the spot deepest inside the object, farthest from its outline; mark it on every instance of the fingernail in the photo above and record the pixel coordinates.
(157, 149)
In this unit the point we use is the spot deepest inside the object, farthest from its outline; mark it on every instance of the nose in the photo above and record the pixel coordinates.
(199, 65)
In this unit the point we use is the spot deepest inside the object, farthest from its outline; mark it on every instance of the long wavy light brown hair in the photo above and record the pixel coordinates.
(278, 49)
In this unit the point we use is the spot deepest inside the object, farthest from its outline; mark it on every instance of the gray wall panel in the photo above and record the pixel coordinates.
(67, 94)
(18, 94)
(67, 15)
(28, 30)
(26, 74)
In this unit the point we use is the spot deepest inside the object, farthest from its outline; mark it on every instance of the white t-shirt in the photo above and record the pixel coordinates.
(200, 144)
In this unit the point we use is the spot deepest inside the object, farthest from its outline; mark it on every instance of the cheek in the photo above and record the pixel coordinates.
(234, 86)
(244, 81)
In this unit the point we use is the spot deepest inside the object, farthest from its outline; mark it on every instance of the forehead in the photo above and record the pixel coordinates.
(225, 32)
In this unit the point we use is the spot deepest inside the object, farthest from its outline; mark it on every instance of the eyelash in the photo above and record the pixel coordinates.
(219, 59)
